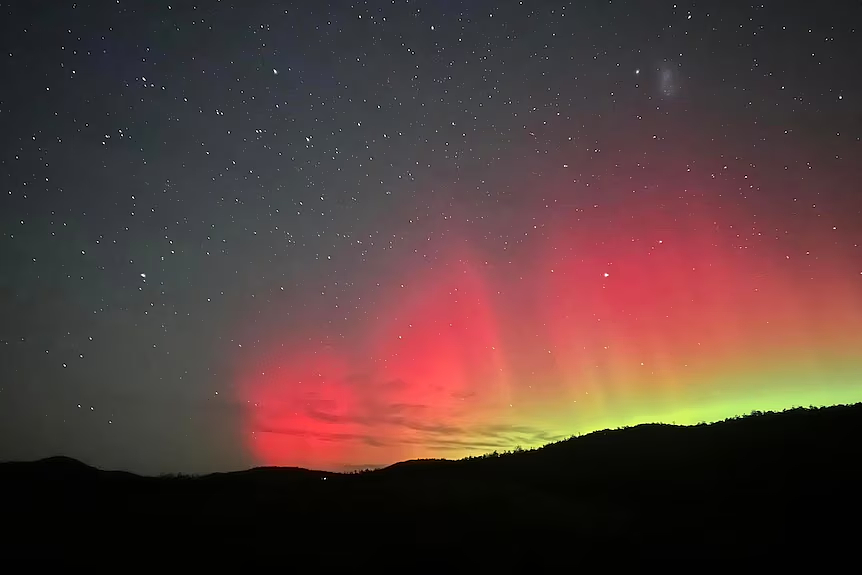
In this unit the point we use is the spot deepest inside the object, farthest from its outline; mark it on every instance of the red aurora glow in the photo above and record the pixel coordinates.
(581, 324)
(426, 368)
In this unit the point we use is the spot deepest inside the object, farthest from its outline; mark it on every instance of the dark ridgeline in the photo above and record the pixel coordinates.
(767, 483)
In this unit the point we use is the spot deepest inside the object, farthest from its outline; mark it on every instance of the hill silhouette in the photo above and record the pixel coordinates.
(772, 483)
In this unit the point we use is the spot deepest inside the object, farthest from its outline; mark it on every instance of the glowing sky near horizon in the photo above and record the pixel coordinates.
(679, 318)
(339, 236)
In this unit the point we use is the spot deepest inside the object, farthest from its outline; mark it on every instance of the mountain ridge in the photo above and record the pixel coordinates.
(763, 483)
(608, 436)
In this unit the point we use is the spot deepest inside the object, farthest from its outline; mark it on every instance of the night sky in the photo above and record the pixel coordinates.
(339, 235)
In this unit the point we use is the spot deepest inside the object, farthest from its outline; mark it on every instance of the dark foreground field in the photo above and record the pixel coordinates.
(779, 487)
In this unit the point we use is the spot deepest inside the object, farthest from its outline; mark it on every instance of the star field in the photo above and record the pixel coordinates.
(340, 235)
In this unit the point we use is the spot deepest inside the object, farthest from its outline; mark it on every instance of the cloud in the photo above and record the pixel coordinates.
(523, 433)
(435, 428)
(373, 442)
(329, 418)
(321, 435)
(435, 436)
(383, 417)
